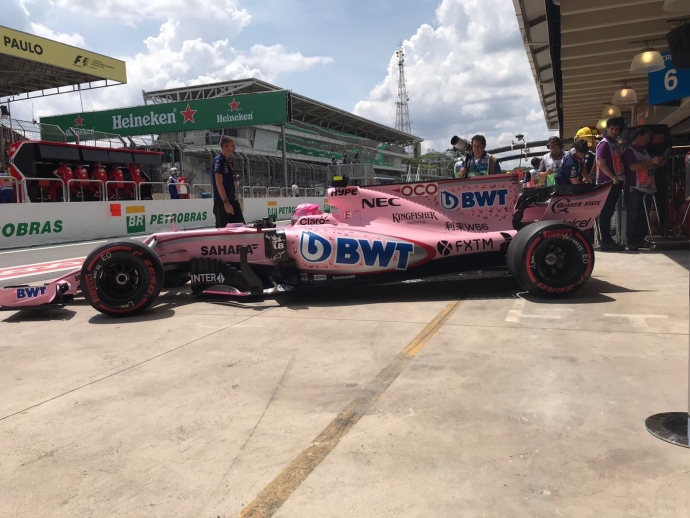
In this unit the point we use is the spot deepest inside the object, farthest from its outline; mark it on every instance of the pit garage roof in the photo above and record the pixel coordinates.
(33, 67)
(304, 109)
(581, 52)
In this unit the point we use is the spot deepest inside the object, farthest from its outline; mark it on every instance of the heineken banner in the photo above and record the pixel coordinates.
(222, 112)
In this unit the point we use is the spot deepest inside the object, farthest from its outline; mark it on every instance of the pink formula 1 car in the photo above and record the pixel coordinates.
(373, 234)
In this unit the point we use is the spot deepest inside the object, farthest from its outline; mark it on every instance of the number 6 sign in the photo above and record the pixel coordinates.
(669, 84)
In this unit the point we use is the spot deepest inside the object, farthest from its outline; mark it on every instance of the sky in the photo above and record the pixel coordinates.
(466, 68)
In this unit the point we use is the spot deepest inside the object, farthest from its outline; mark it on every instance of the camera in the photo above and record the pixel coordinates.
(461, 144)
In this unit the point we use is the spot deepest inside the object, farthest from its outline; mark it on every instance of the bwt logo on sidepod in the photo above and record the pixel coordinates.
(30, 293)
(419, 189)
(349, 251)
(472, 199)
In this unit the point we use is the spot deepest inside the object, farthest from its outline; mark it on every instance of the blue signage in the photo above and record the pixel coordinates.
(669, 84)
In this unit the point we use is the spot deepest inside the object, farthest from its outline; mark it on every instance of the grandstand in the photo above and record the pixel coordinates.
(316, 134)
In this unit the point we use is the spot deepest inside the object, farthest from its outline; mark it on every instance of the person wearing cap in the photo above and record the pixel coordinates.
(172, 184)
(573, 169)
(589, 136)
(98, 173)
(610, 169)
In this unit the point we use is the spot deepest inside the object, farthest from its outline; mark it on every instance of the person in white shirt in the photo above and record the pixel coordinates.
(552, 160)
(295, 190)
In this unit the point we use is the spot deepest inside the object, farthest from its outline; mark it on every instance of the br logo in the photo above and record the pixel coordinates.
(444, 248)
(273, 213)
(136, 223)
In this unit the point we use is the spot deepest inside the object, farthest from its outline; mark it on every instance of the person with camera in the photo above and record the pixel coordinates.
(610, 167)
(479, 162)
(226, 208)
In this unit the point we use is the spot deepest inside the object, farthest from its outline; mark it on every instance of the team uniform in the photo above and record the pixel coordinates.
(224, 167)
(571, 168)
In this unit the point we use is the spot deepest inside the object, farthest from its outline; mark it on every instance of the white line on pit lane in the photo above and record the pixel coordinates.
(38, 274)
(50, 247)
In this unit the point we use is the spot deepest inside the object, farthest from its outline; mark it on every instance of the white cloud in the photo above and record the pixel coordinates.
(534, 115)
(170, 59)
(70, 39)
(133, 12)
(467, 75)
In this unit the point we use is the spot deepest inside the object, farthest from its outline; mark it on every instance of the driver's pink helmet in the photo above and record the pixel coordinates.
(305, 209)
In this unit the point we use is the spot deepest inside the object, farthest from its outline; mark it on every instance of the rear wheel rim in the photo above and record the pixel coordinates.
(556, 262)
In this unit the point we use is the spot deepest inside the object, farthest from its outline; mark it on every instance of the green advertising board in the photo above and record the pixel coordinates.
(223, 112)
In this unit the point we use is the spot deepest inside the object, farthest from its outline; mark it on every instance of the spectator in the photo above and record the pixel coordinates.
(573, 169)
(295, 190)
(98, 173)
(64, 173)
(639, 181)
(226, 208)
(79, 187)
(458, 167)
(346, 159)
(610, 169)
(356, 157)
(6, 189)
(172, 184)
(480, 162)
(334, 161)
(551, 161)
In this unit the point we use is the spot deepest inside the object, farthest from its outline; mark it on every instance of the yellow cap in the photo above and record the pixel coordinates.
(584, 132)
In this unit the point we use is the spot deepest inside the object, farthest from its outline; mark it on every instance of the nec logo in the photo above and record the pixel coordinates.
(30, 293)
(81, 61)
(380, 202)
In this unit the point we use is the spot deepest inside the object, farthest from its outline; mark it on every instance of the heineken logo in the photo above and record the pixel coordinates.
(188, 115)
(153, 119)
(235, 107)
(79, 121)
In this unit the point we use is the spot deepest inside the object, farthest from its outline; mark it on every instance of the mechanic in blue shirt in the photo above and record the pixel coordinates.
(226, 208)
(573, 169)
(172, 184)
(480, 162)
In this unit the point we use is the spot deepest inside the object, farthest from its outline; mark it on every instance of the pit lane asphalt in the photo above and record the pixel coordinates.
(433, 399)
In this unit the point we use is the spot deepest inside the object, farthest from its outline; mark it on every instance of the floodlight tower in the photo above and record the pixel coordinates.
(402, 112)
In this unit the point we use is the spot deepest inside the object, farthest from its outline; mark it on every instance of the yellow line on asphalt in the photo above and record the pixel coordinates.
(270, 500)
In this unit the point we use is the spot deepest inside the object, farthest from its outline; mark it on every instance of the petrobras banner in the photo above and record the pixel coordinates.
(41, 50)
(224, 112)
(32, 224)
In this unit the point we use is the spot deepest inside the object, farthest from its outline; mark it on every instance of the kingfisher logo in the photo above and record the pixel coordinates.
(30, 293)
(473, 199)
(349, 251)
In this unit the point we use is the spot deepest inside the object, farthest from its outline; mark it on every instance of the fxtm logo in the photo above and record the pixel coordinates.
(380, 202)
(136, 223)
(81, 61)
(348, 251)
(472, 199)
(30, 293)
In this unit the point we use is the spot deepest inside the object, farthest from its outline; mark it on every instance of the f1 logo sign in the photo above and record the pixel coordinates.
(419, 189)
(80, 61)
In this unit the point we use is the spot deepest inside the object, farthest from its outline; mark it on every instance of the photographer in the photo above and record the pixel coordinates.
(479, 162)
